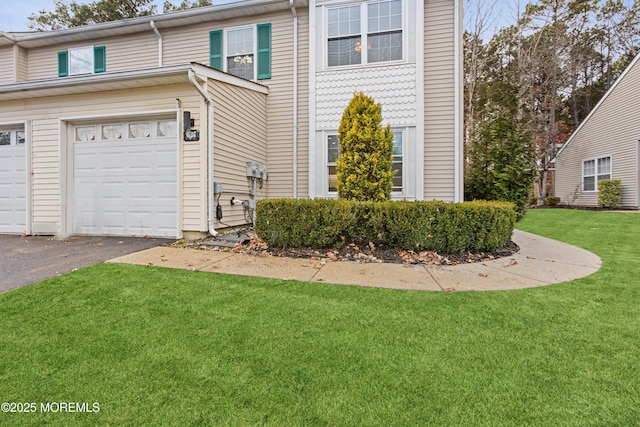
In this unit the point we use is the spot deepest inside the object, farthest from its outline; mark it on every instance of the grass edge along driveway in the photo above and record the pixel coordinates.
(154, 346)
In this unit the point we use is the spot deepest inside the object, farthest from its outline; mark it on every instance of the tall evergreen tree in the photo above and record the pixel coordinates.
(502, 163)
(366, 149)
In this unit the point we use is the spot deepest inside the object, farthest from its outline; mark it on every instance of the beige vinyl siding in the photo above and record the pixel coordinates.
(439, 105)
(45, 115)
(280, 109)
(134, 51)
(23, 64)
(192, 44)
(7, 65)
(303, 103)
(194, 167)
(46, 195)
(612, 130)
(240, 135)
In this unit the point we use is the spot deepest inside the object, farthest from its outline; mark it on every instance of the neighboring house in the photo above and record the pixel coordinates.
(606, 145)
(95, 122)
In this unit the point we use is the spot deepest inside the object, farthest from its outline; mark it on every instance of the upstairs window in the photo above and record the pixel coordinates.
(384, 35)
(345, 39)
(593, 171)
(82, 60)
(364, 33)
(244, 52)
(240, 53)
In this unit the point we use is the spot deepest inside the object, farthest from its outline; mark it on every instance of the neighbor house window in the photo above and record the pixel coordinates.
(366, 33)
(82, 60)
(244, 52)
(333, 153)
(593, 171)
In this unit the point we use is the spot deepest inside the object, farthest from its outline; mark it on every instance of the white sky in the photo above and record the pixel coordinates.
(14, 13)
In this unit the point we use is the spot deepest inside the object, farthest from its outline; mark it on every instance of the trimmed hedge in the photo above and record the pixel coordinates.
(609, 193)
(434, 226)
(552, 200)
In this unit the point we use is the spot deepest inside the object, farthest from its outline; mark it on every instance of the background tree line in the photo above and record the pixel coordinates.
(533, 82)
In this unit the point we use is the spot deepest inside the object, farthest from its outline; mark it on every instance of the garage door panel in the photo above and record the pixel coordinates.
(126, 187)
(13, 187)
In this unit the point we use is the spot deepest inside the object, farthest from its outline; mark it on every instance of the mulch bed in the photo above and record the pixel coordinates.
(364, 252)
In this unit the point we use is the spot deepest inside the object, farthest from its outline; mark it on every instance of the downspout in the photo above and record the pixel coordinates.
(210, 201)
(155, 30)
(295, 99)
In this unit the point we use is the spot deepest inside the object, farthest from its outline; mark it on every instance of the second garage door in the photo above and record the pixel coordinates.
(125, 179)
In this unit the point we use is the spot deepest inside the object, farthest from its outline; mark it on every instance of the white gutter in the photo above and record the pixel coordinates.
(295, 99)
(155, 30)
(458, 194)
(210, 111)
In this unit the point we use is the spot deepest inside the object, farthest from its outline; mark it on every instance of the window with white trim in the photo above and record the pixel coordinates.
(396, 165)
(242, 51)
(82, 60)
(333, 153)
(594, 171)
(365, 33)
(10, 136)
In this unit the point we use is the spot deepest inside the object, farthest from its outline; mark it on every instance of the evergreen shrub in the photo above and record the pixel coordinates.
(609, 193)
(552, 200)
(434, 226)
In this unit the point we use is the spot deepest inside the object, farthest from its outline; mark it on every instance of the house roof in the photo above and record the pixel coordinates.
(188, 17)
(602, 100)
(121, 80)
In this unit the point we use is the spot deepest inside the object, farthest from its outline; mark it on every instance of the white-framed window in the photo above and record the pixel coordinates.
(333, 153)
(595, 170)
(81, 60)
(141, 130)
(111, 132)
(240, 52)
(398, 160)
(166, 128)
(85, 133)
(10, 136)
(364, 33)
(5, 138)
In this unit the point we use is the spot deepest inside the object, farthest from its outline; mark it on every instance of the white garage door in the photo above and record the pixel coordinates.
(13, 182)
(125, 179)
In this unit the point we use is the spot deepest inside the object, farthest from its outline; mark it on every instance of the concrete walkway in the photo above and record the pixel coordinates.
(539, 262)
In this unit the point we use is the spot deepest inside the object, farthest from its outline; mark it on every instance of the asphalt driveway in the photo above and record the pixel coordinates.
(29, 259)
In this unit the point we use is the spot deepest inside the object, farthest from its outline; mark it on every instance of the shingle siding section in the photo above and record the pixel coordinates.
(392, 86)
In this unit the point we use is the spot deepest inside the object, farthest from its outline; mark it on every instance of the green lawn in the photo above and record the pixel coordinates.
(154, 346)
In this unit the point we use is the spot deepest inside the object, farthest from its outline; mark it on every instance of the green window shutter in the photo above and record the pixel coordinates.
(215, 49)
(63, 63)
(264, 51)
(99, 59)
